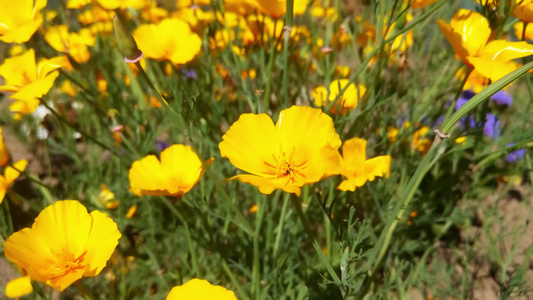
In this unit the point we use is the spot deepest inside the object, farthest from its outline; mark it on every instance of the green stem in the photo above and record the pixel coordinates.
(159, 97)
(298, 207)
(268, 77)
(83, 133)
(256, 278)
(9, 220)
(287, 32)
(192, 251)
(281, 221)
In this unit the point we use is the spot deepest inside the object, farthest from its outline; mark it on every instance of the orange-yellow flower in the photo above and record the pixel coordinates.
(171, 39)
(278, 8)
(301, 148)
(523, 10)
(348, 100)
(28, 80)
(357, 169)
(420, 142)
(11, 173)
(175, 174)
(4, 153)
(469, 33)
(519, 30)
(420, 3)
(20, 19)
(63, 245)
(59, 38)
(19, 287)
(199, 289)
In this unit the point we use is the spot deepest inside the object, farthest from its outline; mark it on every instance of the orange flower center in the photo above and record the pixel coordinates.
(286, 167)
(64, 263)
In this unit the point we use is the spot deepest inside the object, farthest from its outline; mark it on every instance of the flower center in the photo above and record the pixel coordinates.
(65, 262)
(286, 168)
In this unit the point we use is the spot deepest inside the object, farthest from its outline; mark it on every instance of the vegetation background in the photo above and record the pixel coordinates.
(464, 234)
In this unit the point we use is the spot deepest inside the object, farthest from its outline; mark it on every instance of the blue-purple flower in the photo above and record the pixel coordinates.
(515, 155)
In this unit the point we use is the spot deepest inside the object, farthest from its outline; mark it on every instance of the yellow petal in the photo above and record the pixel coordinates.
(468, 32)
(12, 173)
(102, 241)
(199, 289)
(19, 287)
(148, 176)
(4, 153)
(377, 167)
(455, 40)
(491, 68)
(66, 224)
(36, 89)
(320, 96)
(473, 28)
(171, 39)
(19, 70)
(183, 168)
(351, 184)
(267, 185)
(504, 51)
(306, 127)
(250, 142)
(354, 152)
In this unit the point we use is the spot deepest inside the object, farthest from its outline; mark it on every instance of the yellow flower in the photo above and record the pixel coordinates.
(10, 175)
(177, 173)
(519, 30)
(348, 100)
(199, 289)
(469, 33)
(28, 80)
(75, 44)
(115, 4)
(421, 3)
(63, 245)
(475, 81)
(19, 287)
(131, 211)
(77, 4)
(4, 153)
(357, 169)
(20, 19)
(278, 8)
(523, 10)
(107, 197)
(301, 148)
(171, 39)
(421, 143)
(242, 7)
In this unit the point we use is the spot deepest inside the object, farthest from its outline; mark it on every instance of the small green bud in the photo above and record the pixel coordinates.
(126, 42)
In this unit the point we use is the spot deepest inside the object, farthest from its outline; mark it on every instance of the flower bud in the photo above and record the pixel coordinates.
(126, 43)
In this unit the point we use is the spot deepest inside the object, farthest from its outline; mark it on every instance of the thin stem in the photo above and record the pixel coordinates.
(143, 73)
(279, 229)
(287, 32)
(83, 133)
(192, 251)
(256, 279)
(298, 207)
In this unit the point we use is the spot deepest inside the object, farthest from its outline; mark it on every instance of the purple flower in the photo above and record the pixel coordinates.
(465, 96)
(189, 73)
(502, 98)
(492, 126)
(515, 155)
(161, 145)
